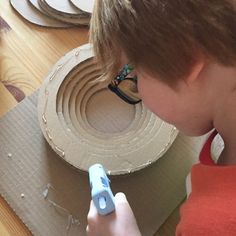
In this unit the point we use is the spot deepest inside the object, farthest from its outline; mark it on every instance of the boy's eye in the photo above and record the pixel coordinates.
(128, 86)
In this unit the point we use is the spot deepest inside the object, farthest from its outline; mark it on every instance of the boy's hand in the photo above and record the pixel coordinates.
(119, 223)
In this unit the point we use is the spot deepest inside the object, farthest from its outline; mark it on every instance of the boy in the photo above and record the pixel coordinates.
(184, 56)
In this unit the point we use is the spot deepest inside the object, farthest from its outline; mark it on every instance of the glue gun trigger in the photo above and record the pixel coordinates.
(102, 202)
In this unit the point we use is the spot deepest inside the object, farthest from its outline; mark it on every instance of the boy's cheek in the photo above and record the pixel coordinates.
(163, 111)
(158, 99)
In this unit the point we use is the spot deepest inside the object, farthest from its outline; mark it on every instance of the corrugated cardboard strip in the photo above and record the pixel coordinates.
(28, 165)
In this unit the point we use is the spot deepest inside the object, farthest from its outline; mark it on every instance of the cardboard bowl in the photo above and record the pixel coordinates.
(85, 123)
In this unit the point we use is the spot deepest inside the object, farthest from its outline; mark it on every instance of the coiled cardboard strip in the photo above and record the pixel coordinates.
(63, 114)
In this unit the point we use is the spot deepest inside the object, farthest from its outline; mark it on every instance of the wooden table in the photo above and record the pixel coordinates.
(27, 52)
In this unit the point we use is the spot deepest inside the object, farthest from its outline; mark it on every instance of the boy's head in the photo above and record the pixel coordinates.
(172, 44)
(164, 37)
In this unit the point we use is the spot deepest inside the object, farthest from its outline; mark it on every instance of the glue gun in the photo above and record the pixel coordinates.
(101, 193)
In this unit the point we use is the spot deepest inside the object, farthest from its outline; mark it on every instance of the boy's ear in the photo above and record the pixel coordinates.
(195, 71)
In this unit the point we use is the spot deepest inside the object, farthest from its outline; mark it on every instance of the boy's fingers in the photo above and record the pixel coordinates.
(87, 230)
(120, 198)
(122, 204)
(92, 211)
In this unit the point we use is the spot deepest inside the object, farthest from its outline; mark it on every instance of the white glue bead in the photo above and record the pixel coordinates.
(9, 155)
(22, 195)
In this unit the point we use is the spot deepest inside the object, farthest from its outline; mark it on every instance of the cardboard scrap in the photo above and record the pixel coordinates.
(33, 15)
(63, 6)
(58, 14)
(86, 6)
(35, 3)
(80, 18)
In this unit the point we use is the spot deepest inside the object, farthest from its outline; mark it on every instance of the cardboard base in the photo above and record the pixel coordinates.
(153, 192)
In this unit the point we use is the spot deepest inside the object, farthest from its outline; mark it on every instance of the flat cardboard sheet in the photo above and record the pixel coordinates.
(28, 164)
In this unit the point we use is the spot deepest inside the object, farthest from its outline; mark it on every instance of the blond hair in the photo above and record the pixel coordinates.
(163, 37)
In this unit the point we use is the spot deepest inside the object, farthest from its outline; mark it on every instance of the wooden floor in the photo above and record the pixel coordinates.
(27, 53)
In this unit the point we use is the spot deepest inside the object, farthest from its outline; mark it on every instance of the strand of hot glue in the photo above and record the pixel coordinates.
(128, 171)
(57, 149)
(72, 221)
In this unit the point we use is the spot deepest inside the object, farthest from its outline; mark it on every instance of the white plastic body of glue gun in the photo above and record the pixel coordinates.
(101, 193)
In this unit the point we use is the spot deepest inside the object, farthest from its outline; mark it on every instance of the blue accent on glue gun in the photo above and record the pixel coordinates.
(101, 193)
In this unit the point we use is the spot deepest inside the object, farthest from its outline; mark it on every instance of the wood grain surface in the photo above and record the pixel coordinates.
(27, 52)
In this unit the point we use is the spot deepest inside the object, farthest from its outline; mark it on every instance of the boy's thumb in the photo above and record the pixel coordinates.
(120, 198)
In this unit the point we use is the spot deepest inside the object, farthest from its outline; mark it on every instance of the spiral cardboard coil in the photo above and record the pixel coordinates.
(85, 123)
